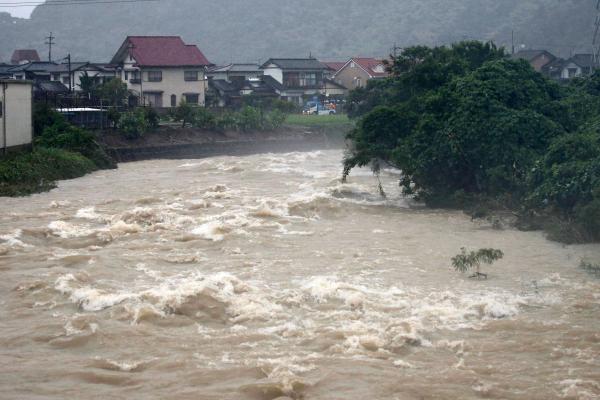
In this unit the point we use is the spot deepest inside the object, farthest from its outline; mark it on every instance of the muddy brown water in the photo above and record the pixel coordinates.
(263, 276)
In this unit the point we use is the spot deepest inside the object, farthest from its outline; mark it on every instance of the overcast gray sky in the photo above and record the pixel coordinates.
(22, 12)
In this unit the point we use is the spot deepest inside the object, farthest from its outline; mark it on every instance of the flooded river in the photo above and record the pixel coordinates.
(263, 276)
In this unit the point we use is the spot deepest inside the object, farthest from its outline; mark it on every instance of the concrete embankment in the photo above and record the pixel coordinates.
(309, 140)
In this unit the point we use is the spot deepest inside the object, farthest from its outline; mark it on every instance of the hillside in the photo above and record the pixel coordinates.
(251, 30)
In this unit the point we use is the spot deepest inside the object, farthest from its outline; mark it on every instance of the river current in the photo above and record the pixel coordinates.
(263, 276)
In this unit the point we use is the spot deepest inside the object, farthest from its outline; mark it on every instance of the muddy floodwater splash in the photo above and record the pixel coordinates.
(264, 276)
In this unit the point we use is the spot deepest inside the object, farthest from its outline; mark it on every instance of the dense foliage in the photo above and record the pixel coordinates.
(61, 151)
(465, 123)
(27, 173)
(245, 120)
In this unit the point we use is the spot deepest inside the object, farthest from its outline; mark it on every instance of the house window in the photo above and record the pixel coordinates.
(1, 109)
(56, 77)
(154, 76)
(65, 80)
(173, 100)
(192, 98)
(308, 79)
(352, 65)
(126, 75)
(190, 76)
(18, 77)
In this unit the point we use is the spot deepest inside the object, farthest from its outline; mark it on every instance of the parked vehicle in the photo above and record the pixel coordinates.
(317, 108)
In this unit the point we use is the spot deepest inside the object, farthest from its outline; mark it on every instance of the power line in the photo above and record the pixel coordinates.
(69, 2)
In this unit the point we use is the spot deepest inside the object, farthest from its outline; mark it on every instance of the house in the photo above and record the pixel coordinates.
(24, 56)
(162, 70)
(223, 93)
(70, 74)
(33, 71)
(15, 114)
(235, 72)
(4, 73)
(299, 78)
(579, 65)
(357, 71)
(333, 67)
(333, 89)
(537, 58)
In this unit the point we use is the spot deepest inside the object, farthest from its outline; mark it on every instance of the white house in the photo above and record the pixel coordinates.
(15, 114)
(162, 70)
(579, 65)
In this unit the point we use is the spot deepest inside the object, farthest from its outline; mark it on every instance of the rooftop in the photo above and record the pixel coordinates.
(160, 51)
(296, 63)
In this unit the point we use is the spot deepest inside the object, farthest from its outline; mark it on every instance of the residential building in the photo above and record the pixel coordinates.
(223, 93)
(357, 71)
(70, 74)
(333, 67)
(33, 71)
(162, 70)
(537, 58)
(15, 114)
(4, 71)
(235, 72)
(24, 56)
(579, 65)
(300, 78)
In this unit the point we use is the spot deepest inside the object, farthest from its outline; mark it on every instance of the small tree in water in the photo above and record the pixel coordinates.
(466, 261)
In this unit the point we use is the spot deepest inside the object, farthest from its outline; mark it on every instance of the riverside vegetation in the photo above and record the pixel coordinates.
(472, 129)
(61, 151)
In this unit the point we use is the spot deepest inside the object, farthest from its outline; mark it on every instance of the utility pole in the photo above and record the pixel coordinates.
(70, 77)
(50, 42)
(396, 50)
(596, 40)
(513, 41)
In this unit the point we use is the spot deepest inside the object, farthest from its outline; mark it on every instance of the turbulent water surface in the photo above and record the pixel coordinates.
(263, 276)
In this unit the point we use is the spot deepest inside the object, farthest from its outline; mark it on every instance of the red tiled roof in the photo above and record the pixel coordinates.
(334, 65)
(163, 51)
(368, 64)
(24, 55)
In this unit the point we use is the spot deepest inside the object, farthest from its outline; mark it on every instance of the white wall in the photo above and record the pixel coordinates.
(18, 115)
(275, 72)
(173, 83)
(565, 71)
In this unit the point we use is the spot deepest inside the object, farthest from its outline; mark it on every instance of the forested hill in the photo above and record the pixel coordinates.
(249, 30)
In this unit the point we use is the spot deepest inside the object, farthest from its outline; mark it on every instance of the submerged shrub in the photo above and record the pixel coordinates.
(464, 261)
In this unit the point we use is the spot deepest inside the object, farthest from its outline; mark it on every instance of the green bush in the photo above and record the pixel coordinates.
(186, 113)
(249, 119)
(133, 124)
(31, 172)
(68, 137)
(151, 117)
(204, 119)
(44, 116)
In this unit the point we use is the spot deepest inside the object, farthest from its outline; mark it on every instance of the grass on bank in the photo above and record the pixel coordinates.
(22, 174)
(317, 120)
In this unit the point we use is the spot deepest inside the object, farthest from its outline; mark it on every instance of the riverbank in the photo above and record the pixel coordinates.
(37, 171)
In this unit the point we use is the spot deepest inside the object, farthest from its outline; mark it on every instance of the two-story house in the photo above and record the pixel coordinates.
(356, 72)
(162, 70)
(300, 77)
(235, 72)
